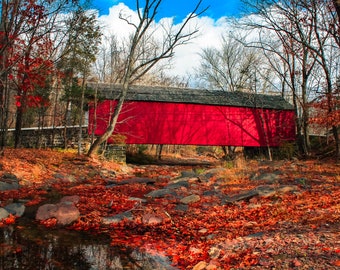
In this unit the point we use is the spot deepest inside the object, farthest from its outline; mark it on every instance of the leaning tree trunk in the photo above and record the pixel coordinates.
(113, 121)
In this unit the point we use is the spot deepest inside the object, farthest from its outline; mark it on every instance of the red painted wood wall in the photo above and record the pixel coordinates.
(194, 124)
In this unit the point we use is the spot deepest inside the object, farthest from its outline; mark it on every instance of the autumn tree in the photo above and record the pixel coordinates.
(26, 30)
(145, 52)
(11, 28)
(28, 59)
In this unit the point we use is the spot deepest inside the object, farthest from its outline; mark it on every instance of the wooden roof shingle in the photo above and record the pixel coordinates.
(193, 96)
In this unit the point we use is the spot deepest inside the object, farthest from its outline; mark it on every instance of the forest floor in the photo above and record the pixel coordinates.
(294, 224)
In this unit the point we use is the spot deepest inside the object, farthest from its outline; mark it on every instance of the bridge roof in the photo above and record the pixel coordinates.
(193, 96)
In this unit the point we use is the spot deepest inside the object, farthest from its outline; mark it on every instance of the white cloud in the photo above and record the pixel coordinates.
(112, 24)
(186, 56)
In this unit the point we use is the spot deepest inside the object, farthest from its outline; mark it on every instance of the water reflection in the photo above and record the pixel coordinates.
(29, 246)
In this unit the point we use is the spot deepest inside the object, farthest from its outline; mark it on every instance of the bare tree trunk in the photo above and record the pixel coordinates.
(159, 150)
(94, 123)
(80, 132)
(337, 8)
(113, 121)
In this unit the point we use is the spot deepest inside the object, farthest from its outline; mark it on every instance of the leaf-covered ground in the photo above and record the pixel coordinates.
(290, 230)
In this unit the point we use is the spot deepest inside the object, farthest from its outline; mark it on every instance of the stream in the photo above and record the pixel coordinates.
(28, 245)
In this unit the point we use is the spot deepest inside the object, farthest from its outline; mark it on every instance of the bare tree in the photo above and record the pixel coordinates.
(109, 66)
(327, 55)
(145, 53)
(230, 68)
(286, 32)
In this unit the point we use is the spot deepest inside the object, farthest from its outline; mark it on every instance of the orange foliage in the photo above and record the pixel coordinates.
(244, 234)
(326, 111)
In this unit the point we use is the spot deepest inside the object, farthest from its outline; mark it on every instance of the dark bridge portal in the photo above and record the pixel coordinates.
(158, 115)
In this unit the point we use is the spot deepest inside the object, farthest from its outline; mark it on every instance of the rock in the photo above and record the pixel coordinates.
(243, 196)
(182, 207)
(134, 180)
(266, 191)
(58, 176)
(255, 235)
(214, 252)
(107, 173)
(207, 175)
(3, 213)
(286, 189)
(65, 178)
(10, 177)
(203, 231)
(117, 218)
(177, 185)
(213, 266)
(9, 182)
(150, 219)
(159, 193)
(71, 199)
(16, 209)
(190, 199)
(70, 179)
(268, 177)
(188, 174)
(137, 199)
(200, 266)
(211, 193)
(46, 211)
(65, 213)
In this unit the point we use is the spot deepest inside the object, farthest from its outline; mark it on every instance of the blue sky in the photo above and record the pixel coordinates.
(179, 8)
(212, 25)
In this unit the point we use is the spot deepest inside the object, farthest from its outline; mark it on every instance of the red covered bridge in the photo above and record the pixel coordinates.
(163, 115)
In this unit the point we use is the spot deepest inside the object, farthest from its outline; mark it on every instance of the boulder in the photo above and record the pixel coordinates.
(9, 182)
(189, 174)
(200, 266)
(65, 213)
(182, 207)
(190, 199)
(269, 177)
(117, 218)
(160, 193)
(3, 213)
(243, 196)
(151, 219)
(207, 175)
(64, 178)
(70, 199)
(139, 200)
(46, 211)
(134, 180)
(176, 185)
(16, 209)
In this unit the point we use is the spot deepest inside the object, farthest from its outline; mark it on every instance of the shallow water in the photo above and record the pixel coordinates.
(27, 245)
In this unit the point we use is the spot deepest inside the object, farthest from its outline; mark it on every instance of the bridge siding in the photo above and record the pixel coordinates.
(150, 122)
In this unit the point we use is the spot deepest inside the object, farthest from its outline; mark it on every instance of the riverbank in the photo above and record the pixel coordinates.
(199, 215)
